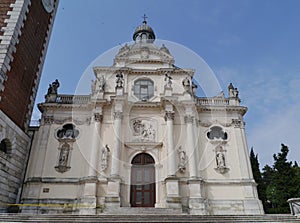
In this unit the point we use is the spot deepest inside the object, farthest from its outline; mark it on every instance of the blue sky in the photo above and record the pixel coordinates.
(254, 44)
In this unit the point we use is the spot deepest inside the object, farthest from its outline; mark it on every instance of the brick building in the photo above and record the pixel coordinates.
(25, 28)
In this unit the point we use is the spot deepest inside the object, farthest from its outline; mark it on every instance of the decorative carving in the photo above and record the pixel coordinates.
(143, 130)
(104, 157)
(68, 131)
(168, 80)
(220, 160)
(189, 119)
(75, 121)
(182, 159)
(204, 123)
(63, 160)
(237, 123)
(170, 115)
(48, 119)
(98, 117)
(120, 80)
(118, 115)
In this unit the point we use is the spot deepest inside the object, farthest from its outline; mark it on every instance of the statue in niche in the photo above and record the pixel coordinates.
(53, 87)
(98, 85)
(220, 159)
(63, 159)
(168, 80)
(182, 159)
(120, 80)
(104, 157)
(143, 130)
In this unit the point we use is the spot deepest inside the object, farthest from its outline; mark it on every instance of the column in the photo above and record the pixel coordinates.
(169, 117)
(115, 168)
(96, 145)
(89, 185)
(189, 120)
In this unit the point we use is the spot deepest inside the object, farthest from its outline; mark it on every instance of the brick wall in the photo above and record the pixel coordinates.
(4, 8)
(15, 99)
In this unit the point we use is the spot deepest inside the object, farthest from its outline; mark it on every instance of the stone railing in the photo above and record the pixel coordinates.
(72, 99)
(294, 206)
(212, 101)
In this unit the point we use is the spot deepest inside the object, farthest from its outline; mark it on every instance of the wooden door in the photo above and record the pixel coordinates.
(142, 192)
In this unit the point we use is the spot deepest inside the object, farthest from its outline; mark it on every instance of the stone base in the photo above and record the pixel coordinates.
(197, 206)
(235, 207)
(87, 205)
(50, 206)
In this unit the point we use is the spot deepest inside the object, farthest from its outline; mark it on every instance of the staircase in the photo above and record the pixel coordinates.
(142, 217)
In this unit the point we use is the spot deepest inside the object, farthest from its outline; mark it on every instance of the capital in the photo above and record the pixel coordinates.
(118, 115)
(189, 119)
(169, 116)
(98, 117)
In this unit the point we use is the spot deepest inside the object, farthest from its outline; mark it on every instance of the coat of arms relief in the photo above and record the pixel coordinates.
(143, 130)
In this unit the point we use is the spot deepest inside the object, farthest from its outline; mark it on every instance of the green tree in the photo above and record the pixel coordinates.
(280, 182)
(257, 176)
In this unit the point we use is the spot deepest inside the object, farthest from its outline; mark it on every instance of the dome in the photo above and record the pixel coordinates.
(144, 32)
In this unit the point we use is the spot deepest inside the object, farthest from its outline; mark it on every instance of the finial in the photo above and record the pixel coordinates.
(145, 17)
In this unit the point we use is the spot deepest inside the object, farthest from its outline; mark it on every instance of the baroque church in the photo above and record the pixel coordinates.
(141, 138)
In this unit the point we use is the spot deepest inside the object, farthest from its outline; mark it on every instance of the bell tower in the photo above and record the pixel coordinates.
(25, 28)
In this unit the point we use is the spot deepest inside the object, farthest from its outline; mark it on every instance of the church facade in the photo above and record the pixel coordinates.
(142, 138)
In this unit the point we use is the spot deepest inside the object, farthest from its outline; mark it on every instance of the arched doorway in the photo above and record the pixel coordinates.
(142, 189)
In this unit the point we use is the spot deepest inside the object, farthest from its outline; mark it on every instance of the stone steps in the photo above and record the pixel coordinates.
(146, 218)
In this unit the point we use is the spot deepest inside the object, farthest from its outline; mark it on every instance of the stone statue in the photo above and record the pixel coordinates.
(220, 158)
(104, 157)
(101, 81)
(53, 87)
(182, 159)
(187, 84)
(232, 91)
(120, 80)
(168, 80)
(63, 156)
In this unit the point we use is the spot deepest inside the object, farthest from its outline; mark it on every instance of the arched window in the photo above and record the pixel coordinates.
(144, 89)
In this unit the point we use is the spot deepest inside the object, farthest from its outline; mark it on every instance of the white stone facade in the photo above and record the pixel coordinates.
(141, 139)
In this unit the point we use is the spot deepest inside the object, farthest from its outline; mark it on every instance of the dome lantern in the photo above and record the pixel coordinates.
(144, 32)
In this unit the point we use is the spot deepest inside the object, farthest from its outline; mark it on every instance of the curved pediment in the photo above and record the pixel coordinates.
(143, 53)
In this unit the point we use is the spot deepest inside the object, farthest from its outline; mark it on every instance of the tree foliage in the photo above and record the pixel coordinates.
(276, 183)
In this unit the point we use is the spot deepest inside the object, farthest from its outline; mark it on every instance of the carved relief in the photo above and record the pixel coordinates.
(221, 160)
(182, 159)
(63, 159)
(143, 130)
